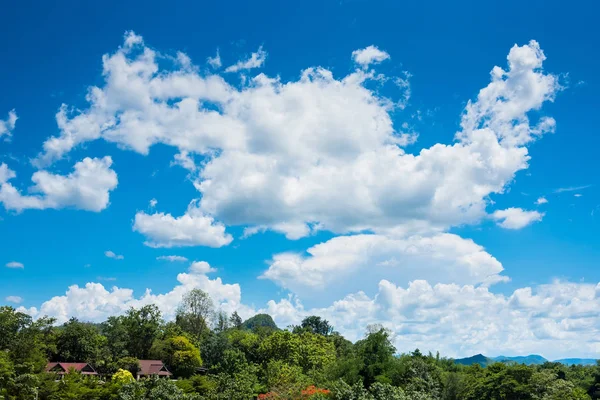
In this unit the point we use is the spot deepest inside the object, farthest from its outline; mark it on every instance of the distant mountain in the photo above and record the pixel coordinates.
(260, 320)
(577, 361)
(476, 359)
(532, 359)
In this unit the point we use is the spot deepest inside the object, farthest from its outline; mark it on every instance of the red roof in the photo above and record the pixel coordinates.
(153, 367)
(62, 368)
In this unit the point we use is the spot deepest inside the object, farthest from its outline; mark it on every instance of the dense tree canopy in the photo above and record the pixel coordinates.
(233, 360)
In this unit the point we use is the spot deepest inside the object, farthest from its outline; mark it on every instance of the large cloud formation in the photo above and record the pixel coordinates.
(323, 153)
(317, 153)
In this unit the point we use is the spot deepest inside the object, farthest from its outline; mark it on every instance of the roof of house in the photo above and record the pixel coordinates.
(64, 368)
(153, 367)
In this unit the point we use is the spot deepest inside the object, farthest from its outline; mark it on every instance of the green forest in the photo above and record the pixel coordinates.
(217, 356)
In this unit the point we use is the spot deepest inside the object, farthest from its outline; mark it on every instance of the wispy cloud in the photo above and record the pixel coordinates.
(541, 200)
(571, 188)
(172, 258)
(256, 60)
(15, 264)
(577, 195)
(112, 254)
(107, 279)
(13, 299)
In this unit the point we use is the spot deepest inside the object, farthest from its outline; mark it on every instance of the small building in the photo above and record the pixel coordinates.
(153, 367)
(62, 368)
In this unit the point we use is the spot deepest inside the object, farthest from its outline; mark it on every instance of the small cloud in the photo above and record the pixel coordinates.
(173, 258)
(572, 188)
(541, 200)
(107, 279)
(13, 299)
(577, 195)
(215, 61)
(15, 264)
(153, 203)
(201, 267)
(256, 60)
(111, 254)
(8, 125)
(369, 55)
(516, 218)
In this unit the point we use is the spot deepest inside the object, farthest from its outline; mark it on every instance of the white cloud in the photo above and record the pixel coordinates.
(86, 188)
(541, 200)
(6, 173)
(215, 61)
(318, 152)
(153, 203)
(360, 261)
(194, 228)
(173, 258)
(201, 267)
(15, 264)
(556, 320)
(256, 60)
(13, 299)
(516, 218)
(112, 254)
(8, 125)
(94, 302)
(577, 195)
(369, 55)
(572, 188)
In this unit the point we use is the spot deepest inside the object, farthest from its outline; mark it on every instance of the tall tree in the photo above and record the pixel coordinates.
(195, 312)
(78, 342)
(142, 327)
(315, 325)
(235, 320)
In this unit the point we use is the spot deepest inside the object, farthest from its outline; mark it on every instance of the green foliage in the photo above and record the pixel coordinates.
(179, 354)
(195, 313)
(314, 324)
(122, 376)
(142, 327)
(260, 321)
(79, 342)
(244, 360)
(130, 364)
(235, 320)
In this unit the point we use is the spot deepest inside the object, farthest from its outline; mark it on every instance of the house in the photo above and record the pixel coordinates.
(153, 367)
(62, 368)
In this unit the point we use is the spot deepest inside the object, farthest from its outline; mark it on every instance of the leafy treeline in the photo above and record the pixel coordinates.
(253, 359)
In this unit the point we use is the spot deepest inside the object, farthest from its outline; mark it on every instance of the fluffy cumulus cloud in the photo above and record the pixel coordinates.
(87, 187)
(369, 55)
(541, 200)
(516, 218)
(321, 151)
(94, 302)
(8, 125)
(557, 319)
(194, 228)
(360, 261)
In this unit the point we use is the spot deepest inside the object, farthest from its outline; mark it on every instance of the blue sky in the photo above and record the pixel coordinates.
(364, 161)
